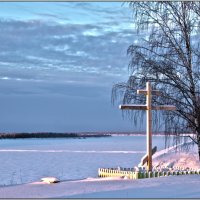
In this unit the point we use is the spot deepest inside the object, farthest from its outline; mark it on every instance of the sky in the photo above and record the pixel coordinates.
(58, 63)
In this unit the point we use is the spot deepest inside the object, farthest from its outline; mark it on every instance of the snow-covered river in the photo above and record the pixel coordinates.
(27, 160)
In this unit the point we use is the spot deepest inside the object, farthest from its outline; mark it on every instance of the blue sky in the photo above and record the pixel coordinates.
(58, 62)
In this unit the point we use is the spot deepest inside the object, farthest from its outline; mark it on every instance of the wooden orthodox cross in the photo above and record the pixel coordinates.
(148, 107)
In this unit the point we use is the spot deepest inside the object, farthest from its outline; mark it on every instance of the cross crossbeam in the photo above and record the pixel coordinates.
(144, 107)
(148, 107)
(153, 92)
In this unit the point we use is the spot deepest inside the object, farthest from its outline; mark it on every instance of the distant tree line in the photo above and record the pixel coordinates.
(50, 135)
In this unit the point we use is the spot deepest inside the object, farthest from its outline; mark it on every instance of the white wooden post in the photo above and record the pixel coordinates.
(148, 107)
(149, 126)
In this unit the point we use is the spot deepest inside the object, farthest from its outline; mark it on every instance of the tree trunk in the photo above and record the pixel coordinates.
(198, 137)
(199, 150)
(198, 141)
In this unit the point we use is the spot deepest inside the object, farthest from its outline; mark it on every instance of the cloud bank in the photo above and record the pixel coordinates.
(58, 65)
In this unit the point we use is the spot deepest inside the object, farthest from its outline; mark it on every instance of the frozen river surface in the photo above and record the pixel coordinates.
(27, 160)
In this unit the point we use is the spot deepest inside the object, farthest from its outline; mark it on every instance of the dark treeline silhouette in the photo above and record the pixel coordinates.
(74, 135)
(50, 135)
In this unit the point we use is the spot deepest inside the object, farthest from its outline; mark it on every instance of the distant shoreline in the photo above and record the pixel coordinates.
(72, 134)
(50, 135)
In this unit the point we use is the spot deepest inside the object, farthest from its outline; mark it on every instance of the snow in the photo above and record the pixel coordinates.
(165, 187)
(182, 186)
(177, 157)
(28, 160)
(50, 180)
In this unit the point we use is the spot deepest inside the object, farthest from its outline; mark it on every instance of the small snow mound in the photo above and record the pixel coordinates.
(50, 180)
(126, 177)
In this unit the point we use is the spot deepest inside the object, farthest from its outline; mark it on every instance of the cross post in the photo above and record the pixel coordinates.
(148, 107)
(149, 126)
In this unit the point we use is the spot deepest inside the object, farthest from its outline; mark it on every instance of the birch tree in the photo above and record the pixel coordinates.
(168, 55)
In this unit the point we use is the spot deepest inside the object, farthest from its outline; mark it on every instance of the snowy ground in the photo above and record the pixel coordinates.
(185, 186)
(28, 160)
(165, 187)
(179, 157)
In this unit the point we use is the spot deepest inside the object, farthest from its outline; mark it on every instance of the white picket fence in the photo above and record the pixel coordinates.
(131, 174)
